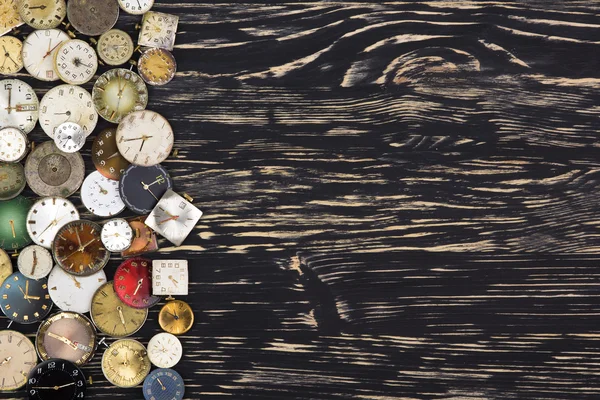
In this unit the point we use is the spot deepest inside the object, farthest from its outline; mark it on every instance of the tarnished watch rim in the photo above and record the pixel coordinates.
(103, 38)
(140, 87)
(24, 183)
(43, 77)
(137, 12)
(163, 310)
(147, 54)
(107, 354)
(41, 26)
(26, 340)
(26, 145)
(80, 17)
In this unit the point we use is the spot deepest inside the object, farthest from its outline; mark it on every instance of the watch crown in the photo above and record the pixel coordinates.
(93, 41)
(188, 197)
(71, 34)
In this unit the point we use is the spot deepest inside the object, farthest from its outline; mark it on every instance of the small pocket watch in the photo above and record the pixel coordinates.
(69, 137)
(164, 350)
(133, 283)
(157, 67)
(75, 62)
(38, 53)
(35, 262)
(18, 358)
(12, 180)
(78, 249)
(19, 105)
(74, 293)
(117, 235)
(100, 195)
(92, 18)
(9, 16)
(117, 93)
(42, 14)
(173, 217)
(169, 277)
(158, 30)
(113, 317)
(67, 103)
(176, 317)
(24, 300)
(14, 145)
(136, 7)
(142, 187)
(125, 363)
(145, 138)
(164, 384)
(11, 60)
(47, 216)
(13, 223)
(6, 268)
(56, 379)
(115, 47)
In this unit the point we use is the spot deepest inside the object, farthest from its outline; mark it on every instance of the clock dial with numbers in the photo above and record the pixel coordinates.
(9, 15)
(56, 379)
(11, 60)
(47, 216)
(17, 358)
(164, 384)
(113, 317)
(173, 217)
(6, 268)
(100, 195)
(133, 283)
(142, 187)
(158, 30)
(170, 277)
(42, 14)
(164, 350)
(69, 137)
(106, 157)
(25, 300)
(38, 53)
(35, 262)
(78, 249)
(75, 62)
(176, 317)
(19, 105)
(125, 363)
(145, 138)
(115, 47)
(136, 7)
(13, 223)
(67, 103)
(14, 145)
(12, 180)
(92, 18)
(157, 67)
(117, 93)
(73, 293)
(144, 238)
(117, 235)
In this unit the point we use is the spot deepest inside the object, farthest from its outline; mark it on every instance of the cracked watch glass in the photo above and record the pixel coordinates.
(74, 293)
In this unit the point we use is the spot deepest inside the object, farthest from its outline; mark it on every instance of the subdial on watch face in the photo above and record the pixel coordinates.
(35, 262)
(67, 103)
(101, 196)
(117, 235)
(69, 137)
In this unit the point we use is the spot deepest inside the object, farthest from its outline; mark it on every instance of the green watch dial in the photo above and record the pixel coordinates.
(12, 180)
(13, 223)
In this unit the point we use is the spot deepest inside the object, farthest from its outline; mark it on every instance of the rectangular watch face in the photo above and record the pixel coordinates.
(169, 277)
(158, 30)
(144, 241)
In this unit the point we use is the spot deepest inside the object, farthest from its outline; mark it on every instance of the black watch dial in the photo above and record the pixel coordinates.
(142, 187)
(25, 300)
(56, 379)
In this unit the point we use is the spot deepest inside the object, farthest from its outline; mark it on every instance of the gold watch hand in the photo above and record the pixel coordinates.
(26, 287)
(173, 280)
(63, 339)
(6, 360)
(121, 316)
(168, 219)
(24, 295)
(34, 262)
(78, 238)
(161, 384)
(139, 285)
(12, 227)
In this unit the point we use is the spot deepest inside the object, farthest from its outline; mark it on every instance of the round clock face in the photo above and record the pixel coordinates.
(9, 15)
(117, 235)
(76, 62)
(119, 92)
(115, 47)
(68, 336)
(69, 137)
(142, 187)
(11, 60)
(157, 67)
(78, 249)
(125, 363)
(13, 223)
(106, 157)
(12, 180)
(164, 384)
(51, 172)
(18, 105)
(6, 268)
(144, 239)
(14, 145)
(25, 300)
(145, 138)
(176, 317)
(47, 216)
(74, 293)
(35, 262)
(17, 358)
(38, 53)
(101, 196)
(164, 350)
(56, 379)
(92, 18)
(133, 283)
(113, 317)
(67, 103)
(136, 7)
(42, 14)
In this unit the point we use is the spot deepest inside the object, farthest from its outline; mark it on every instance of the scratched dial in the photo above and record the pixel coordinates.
(42, 14)
(47, 216)
(14, 145)
(145, 138)
(17, 358)
(74, 293)
(125, 363)
(101, 196)
(11, 60)
(38, 53)
(9, 15)
(158, 30)
(115, 47)
(67, 103)
(18, 105)
(113, 317)
(117, 93)
(6, 268)
(35, 262)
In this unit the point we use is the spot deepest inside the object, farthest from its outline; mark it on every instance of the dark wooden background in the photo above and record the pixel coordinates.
(401, 199)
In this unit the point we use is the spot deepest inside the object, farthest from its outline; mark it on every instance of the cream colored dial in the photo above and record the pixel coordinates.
(67, 103)
(136, 7)
(42, 14)
(19, 105)
(6, 268)
(14, 145)
(158, 30)
(169, 277)
(11, 60)
(125, 363)
(119, 92)
(9, 15)
(47, 216)
(75, 62)
(164, 350)
(115, 47)
(17, 358)
(38, 53)
(145, 138)
(35, 262)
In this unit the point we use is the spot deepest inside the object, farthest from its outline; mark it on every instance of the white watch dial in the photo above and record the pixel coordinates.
(101, 195)
(35, 262)
(136, 7)
(18, 105)
(47, 216)
(116, 235)
(76, 62)
(145, 138)
(38, 53)
(69, 137)
(169, 277)
(74, 293)
(13, 145)
(67, 103)
(164, 350)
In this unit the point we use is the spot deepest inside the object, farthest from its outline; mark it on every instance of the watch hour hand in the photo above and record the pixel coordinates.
(63, 339)
(139, 285)
(121, 316)
(24, 295)
(6, 360)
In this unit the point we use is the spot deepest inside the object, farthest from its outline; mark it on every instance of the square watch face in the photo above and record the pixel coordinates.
(158, 30)
(169, 277)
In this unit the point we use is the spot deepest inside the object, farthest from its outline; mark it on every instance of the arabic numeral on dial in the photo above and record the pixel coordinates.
(32, 392)
(79, 383)
(80, 395)
(32, 381)
(75, 373)
(51, 365)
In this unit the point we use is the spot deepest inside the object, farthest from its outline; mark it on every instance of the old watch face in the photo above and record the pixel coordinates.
(78, 249)
(51, 172)
(176, 317)
(11, 60)
(136, 7)
(35, 262)
(47, 216)
(6, 268)
(164, 350)
(14, 145)
(169, 277)
(113, 317)
(145, 138)
(56, 379)
(69, 137)
(133, 283)
(25, 300)
(76, 62)
(117, 93)
(164, 384)
(17, 358)
(19, 106)
(38, 53)
(93, 18)
(125, 363)
(106, 157)
(12, 180)
(100, 195)
(115, 47)
(9, 15)
(144, 238)
(42, 14)
(142, 187)
(74, 293)
(67, 335)
(157, 67)
(13, 223)
(173, 217)
(158, 30)
(117, 235)
(67, 103)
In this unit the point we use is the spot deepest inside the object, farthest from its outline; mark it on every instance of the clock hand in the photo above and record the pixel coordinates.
(139, 138)
(11, 59)
(9, 99)
(174, 315)
(139, 285)
(147, 187)
(173, 280)
(77, 284)
(6, 360)
(26, 288)
(114, 155)
(160, 179)
(12, 227)
(24, 295)
(63, 339)
(34, 262)
(161, 384)
(42, 7)
(87, 244)
(78, 238)
(102, 190)
(121, 316)
(55, 387)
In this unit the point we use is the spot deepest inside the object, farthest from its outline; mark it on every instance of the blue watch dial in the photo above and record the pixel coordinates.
(163, 384)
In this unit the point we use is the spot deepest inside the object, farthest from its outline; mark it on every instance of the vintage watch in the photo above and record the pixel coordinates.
(42, 14)
(78, 249)
(117, 93)
(19, 105)
(38, 53)
(116, 235)
(176, 317)
(69, 137)
(144, 238)
(142, 187)
(75, 62)
(47, 216)
(17, 358)
(125, 363)
(169, 277)
(51, 172)
(35, 262)
(67, 103)
(56, 379)
(11, 60)
(67, 335)
(14, 145)
(145, 138)
(136, 7)
(13, 223)
(100, 195)
(93, 18)
(74, 293)
(163, 384)
(113, 317)
(105, 155)
(25, 300)
(115, 47)
(9, 15)
(164, 350)
(6, 268)
(157, 67)
(133, 283)
(12, 180)
(158, 30)
(174, 217)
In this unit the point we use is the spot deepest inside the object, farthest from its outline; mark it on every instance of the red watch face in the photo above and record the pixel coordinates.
(133, 284)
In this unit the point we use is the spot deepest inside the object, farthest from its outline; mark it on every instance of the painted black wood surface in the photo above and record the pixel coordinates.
(400, 199)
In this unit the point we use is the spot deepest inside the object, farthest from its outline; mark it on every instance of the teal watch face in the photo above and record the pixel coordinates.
(13, 223)
(12, 180)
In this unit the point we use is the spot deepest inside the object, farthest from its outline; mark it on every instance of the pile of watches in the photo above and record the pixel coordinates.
(59, 256)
